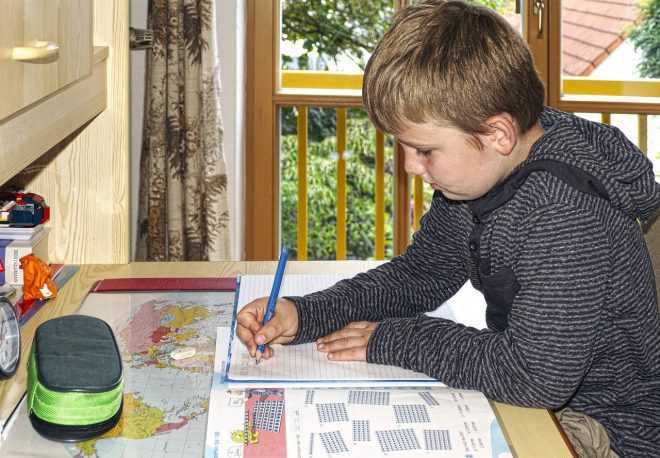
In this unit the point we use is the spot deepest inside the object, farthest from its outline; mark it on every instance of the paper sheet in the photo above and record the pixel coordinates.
(392, 423)
(300, 364)
(353, 423)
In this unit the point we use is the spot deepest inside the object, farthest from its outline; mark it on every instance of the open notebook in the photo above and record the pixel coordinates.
(301, 365)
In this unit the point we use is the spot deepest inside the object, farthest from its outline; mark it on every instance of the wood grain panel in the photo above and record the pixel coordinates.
(41, 19)
(261, 157)
(27, 135)
(524, 430)
(75, 37)
(87, 182)
(68, 23)
(11, 34)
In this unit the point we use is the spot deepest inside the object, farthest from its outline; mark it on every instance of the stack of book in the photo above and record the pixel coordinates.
(16, 242)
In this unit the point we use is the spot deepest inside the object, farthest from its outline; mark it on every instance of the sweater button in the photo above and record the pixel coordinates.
(473, 246)
(475, 219)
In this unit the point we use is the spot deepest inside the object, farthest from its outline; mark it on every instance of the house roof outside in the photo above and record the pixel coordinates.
(592, 30)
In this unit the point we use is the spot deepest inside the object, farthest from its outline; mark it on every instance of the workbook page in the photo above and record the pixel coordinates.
(303, 363)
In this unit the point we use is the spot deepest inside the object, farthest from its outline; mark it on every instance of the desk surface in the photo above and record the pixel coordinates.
(531, 432)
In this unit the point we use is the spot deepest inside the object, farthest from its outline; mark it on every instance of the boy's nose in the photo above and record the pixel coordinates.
(413, 165)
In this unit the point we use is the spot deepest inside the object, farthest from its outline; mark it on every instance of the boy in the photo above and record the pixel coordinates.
(537, 208)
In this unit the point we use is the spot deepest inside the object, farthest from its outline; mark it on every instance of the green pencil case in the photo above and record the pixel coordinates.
(75, 381)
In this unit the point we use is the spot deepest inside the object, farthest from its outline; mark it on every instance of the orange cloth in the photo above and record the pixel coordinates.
(37, 283)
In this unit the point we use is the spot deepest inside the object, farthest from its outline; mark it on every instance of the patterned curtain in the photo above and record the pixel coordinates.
(183, 205)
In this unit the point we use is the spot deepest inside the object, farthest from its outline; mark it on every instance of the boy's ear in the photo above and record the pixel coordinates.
(501, 133)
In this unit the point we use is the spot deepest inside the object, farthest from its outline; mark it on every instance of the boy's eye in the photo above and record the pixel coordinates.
(424, 152)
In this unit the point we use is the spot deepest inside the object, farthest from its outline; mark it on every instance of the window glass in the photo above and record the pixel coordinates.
(609, 50)
(506, 8)
(331, 35)
(322, 159)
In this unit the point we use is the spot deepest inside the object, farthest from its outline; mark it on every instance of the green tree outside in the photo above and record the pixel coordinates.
(646, 38)
(321, 197)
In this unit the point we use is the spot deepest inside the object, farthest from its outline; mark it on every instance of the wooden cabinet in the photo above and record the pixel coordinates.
(64, 134)
(45, 45)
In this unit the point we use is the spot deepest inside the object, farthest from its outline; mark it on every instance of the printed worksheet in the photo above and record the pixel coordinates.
(353, 423)
(392, 422)
(303, 364)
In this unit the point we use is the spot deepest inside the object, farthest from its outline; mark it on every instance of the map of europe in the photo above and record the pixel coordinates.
(165, 400)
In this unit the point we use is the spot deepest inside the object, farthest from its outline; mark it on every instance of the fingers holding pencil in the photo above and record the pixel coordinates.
(282, 328)
(272, 301)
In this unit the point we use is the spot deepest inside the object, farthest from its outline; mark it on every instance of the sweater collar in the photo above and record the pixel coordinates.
(572, 175)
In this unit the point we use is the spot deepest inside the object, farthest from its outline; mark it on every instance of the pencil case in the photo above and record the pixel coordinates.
(75, 380)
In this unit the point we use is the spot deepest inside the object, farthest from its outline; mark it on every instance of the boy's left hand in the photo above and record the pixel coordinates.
(349, 343)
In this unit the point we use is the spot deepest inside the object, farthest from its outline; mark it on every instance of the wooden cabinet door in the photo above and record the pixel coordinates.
(44, 46)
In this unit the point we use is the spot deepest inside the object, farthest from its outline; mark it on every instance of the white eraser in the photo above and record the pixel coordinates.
(183, 353)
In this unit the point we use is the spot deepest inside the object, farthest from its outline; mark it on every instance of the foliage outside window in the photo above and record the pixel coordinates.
(322, 185)
(646, 38)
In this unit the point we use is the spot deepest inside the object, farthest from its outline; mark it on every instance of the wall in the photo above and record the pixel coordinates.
(230, 17)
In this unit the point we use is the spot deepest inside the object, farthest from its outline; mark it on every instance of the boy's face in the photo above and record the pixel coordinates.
(451, 161)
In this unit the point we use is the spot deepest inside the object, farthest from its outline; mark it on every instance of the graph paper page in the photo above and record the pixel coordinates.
(303, 363)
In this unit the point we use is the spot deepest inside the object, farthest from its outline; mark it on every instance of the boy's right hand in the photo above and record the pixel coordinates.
(282, 328)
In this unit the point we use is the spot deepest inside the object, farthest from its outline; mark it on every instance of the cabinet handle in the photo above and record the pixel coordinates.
(39, 52)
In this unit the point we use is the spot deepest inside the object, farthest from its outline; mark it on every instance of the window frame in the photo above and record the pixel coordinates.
(264, 97)
(550, 51)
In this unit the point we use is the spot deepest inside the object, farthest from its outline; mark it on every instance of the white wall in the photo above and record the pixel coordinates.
(230, 17)
(231, 46)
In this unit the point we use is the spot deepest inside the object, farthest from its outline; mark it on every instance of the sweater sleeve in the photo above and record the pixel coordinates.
(432, 269)
(541, 358)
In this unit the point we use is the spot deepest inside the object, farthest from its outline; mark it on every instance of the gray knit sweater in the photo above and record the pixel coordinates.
(559, 255)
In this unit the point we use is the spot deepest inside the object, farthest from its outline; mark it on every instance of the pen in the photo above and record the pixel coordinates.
(274, 292)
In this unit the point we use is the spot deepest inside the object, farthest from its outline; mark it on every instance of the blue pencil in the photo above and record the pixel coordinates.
(274, 293)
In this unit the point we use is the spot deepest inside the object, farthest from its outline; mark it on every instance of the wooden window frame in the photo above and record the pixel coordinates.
(264, 97)
(550, 58)
(261, 160)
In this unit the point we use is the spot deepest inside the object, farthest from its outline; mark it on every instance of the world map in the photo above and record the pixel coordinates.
(165, 400)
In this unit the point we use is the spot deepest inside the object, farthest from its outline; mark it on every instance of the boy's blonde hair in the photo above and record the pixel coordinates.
(451, 62)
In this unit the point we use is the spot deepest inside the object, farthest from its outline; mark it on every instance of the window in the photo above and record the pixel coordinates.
(305, 122)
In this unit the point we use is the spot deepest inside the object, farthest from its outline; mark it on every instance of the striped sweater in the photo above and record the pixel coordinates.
(558, 253)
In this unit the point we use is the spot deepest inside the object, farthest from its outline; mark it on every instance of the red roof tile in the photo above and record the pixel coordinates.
(591, 30)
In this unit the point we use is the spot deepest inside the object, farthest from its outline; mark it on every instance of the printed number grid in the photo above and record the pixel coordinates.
(411, 413)
(268, 415)
(333, 442)
(374, 398)
(428, 398)
(361, 431)
(332, 412)
(437, 439)
(394, 440)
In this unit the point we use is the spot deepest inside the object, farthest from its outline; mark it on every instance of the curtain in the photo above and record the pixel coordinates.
(183, 207)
